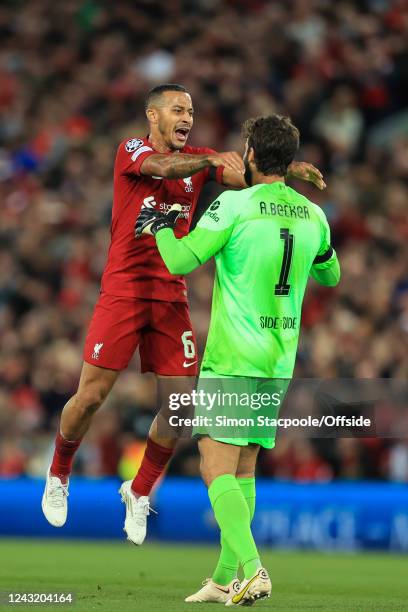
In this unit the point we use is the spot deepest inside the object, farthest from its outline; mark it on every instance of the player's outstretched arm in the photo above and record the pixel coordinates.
(179, 259)
(298, 170)
(207, 239)
(306, 172)
(183, 165)
(185, 255)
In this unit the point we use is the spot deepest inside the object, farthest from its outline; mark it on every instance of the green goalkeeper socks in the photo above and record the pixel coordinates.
(227, 566)
(233, 517)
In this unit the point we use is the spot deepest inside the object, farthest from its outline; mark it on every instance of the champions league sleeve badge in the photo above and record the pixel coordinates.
(133, 144)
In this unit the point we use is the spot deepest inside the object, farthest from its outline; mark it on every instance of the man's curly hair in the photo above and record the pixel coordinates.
(274, 140)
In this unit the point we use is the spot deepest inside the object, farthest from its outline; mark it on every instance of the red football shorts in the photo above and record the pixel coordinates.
(161, 330)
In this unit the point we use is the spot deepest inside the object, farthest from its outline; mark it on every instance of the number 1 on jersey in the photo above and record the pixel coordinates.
(283, 288)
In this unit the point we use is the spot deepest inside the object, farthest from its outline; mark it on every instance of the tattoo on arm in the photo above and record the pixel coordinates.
(174, 166)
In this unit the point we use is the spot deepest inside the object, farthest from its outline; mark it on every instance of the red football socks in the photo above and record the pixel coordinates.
(63, 456)
(153, 463)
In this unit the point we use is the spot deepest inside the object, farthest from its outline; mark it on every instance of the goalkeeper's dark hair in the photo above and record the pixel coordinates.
(274, 140)
(155, 93)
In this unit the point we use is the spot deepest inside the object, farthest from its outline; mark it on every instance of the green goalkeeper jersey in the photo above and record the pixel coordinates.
(266, 241)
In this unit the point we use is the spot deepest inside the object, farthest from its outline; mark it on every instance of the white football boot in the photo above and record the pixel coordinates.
(257, 587)
(137, 511)
(214, 593)
(55, 500)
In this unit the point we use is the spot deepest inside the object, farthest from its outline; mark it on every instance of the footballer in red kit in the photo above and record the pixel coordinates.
(141, 305)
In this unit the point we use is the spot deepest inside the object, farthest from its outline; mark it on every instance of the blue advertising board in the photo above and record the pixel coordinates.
(335, 516)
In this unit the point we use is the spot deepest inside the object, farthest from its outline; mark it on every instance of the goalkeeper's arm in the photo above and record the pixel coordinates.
(179, 259)
(185, 255)
(326, 268)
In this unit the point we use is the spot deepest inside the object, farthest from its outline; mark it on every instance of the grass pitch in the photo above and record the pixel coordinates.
(119, 576)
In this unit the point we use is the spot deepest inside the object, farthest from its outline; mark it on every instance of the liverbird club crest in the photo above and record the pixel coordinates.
(188, 184)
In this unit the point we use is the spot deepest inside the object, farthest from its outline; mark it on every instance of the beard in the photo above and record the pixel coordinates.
(248, 173)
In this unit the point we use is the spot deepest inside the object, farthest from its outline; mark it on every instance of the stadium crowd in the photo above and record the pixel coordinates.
(73, 77)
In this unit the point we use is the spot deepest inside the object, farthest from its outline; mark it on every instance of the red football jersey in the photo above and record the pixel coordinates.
(134, 268)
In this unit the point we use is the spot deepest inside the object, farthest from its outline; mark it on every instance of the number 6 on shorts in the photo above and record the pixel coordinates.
(189, 348)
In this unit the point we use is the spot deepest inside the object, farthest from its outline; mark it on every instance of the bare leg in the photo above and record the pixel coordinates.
(217, 459)
(247, 461)
(94, 386)
(160, 430)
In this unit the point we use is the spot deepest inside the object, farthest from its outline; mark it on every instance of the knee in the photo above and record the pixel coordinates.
(90, 398)
(210, 472)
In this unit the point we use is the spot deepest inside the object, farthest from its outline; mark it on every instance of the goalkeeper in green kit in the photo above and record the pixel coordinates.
(267, 240)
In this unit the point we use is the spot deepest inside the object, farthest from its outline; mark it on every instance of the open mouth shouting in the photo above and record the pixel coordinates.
(182, 133)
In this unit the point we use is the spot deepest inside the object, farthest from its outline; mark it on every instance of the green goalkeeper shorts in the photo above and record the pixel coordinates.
(238, 410)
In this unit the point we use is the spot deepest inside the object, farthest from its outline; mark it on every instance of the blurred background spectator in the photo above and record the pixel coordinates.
(73, 77)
